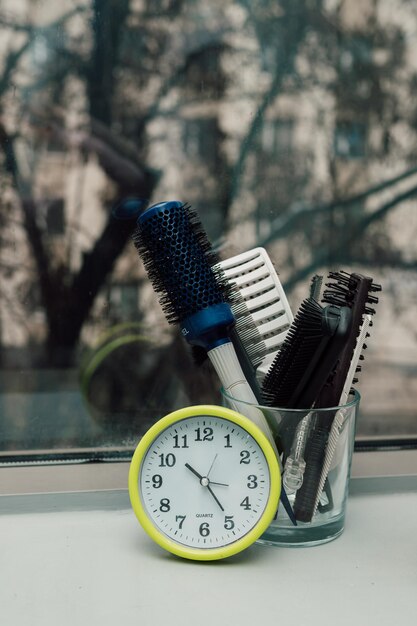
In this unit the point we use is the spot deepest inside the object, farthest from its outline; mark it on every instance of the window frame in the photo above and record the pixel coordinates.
(361, 51)
(109, 474)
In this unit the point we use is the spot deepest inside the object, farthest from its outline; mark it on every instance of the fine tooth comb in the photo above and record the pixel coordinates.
(340, 417)
(247, 340)
(354, 291)
(262, 312)
(254, 275)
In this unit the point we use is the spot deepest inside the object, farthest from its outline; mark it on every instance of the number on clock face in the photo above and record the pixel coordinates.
(204, 482)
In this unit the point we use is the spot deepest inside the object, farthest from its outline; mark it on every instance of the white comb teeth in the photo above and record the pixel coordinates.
(254, 275)
(340, 417)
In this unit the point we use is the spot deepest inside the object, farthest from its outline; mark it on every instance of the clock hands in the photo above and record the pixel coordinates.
(214, 496)
(212, 482)
(205, 482)
(188, 466)
(211, 466)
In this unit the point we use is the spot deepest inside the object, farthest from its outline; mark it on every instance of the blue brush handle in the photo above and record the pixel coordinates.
(209, 328)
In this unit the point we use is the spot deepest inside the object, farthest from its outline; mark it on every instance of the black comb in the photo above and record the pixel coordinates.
(307, 356)
(354, 291)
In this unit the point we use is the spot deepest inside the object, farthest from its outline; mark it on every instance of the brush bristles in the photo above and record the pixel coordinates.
(303, 338)
(345, 288)
(180, 262)
(352, 290)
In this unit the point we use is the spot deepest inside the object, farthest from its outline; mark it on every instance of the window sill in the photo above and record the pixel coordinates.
(81, 557)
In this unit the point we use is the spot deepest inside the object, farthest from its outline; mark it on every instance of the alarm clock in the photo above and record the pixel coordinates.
(204, 482)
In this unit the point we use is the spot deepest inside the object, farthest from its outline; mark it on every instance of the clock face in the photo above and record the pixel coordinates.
(205, 483)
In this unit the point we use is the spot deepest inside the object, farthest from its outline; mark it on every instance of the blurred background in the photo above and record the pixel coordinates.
(286, 124)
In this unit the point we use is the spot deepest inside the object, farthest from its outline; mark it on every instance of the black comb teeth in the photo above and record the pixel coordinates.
(305, 358)
(180, 262)
(355, 291)
(345, 287)
(284, 372)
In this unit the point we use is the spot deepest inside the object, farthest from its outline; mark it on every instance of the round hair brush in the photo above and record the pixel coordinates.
(193, 292)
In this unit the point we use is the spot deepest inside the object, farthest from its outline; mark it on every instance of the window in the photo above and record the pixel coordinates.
(55, 217)
(277, 136)
(201, 139)
(123, 301)
(266, 120)
(356, 52)
(350, 140)
(203, 73)
(162, 6)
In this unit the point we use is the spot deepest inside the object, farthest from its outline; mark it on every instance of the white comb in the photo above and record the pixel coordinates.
(338, 422)
(257, 281)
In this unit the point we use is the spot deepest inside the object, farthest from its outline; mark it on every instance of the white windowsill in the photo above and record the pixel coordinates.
(78, 556)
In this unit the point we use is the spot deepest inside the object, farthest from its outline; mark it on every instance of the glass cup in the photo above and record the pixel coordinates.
(315, 449)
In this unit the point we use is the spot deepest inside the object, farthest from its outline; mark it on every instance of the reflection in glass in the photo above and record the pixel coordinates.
(289, 125)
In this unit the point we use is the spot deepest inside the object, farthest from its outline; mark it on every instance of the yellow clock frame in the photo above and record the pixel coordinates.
(209, 553)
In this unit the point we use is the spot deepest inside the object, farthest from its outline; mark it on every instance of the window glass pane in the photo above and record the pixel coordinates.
(288, 125)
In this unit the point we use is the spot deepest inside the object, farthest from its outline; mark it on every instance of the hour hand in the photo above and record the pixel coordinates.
(188, 466)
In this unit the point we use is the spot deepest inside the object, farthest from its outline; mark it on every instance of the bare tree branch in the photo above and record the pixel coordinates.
(14, 56)
(286, 223)
(11, 64)
(122, 170)
(289, 46)
(119, 144)
(13, 22)
(28, 206)
(342, 252)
